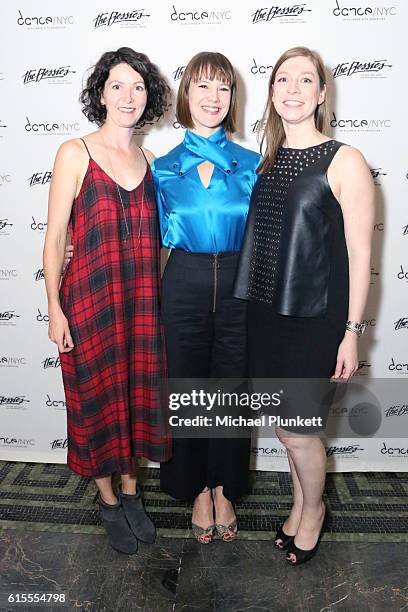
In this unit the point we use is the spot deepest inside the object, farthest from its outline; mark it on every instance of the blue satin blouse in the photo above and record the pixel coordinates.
(198, 219)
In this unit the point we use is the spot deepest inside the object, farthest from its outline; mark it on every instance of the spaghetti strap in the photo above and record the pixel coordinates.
(86, 147)
(143, 153)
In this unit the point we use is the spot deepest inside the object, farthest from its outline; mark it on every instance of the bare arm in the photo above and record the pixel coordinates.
(353, 185)
(61, 196)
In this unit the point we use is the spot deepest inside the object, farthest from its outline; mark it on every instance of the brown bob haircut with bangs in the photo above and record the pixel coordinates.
(207, 65)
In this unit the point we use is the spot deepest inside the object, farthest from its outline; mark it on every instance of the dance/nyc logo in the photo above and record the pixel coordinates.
(7, 274)
(42, 318)
(40, 226)
(58, 404)
(198, 16)
(40, 178)
(363, 12)
(283, 13)
(4, 179)
(399, 368)
(402, 274)
(51, 129)
(263, 70)
(36, 75)
(17, 442)
(363, 125)
(128, 18)
(366, 69)
(42, 22)
(12, 362)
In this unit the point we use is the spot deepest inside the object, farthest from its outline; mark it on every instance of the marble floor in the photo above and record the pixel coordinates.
(177, 574)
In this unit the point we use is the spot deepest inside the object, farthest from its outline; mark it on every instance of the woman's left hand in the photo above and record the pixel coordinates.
(347, 357)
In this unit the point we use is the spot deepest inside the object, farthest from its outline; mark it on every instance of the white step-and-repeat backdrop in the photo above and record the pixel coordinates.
(46, 49)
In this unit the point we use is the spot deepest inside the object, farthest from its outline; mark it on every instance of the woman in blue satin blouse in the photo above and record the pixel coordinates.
(203, 192)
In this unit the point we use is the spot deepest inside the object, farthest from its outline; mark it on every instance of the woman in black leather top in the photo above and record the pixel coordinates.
(305, 269)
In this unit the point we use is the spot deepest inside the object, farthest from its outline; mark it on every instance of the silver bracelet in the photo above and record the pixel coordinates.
(357, 328)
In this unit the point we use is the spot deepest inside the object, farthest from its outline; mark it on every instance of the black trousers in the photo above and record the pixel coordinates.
(206, 337)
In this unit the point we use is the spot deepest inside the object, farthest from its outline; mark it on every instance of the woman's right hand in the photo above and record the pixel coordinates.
(58, 331)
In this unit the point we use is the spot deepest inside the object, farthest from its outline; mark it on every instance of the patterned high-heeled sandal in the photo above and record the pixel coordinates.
(203, 535)
(227, 533)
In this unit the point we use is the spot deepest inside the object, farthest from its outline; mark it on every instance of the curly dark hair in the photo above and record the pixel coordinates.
(158, 92)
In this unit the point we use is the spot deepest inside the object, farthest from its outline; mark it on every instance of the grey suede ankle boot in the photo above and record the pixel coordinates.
(120, 536)
(141, 525)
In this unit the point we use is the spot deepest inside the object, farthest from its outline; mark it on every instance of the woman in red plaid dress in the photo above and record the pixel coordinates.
(105, 317)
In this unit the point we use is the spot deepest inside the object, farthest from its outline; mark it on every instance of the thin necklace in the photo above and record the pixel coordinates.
(120, 197)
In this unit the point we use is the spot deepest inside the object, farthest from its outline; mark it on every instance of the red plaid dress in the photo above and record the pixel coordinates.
(114, 376)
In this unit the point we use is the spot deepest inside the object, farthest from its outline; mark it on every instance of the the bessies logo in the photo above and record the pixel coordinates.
(178, 73)
(257, 126)
(261, 70)
(363, 368)
(52, 76)
(126, 19)
(283, 13)
(5, 226)
(376, 173)
(59, 444)
(43, 22)
(3, 127)
(362, 12)
(38, 226)
(402, 323)
(8, 274)
(5, 179)
(404, 230)
(359, 125)
(364, 69)
(17, 442)
(8, 317)
(51, 362)
(12, 362)
(39, 274)
(14, 401)
(199, 16)
(398, 367)
(396, 411)
(344, 451)
(51, 128)
(40, 178)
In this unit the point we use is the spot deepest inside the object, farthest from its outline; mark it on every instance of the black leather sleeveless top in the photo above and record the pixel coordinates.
(294, 223)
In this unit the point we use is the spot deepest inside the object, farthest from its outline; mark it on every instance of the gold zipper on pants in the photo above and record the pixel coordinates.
(216, 266)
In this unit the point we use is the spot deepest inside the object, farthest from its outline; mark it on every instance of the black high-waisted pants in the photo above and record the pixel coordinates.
(206, 337)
